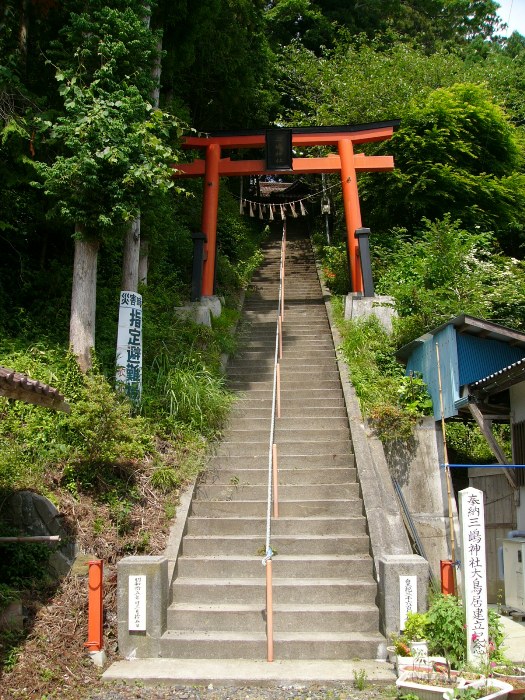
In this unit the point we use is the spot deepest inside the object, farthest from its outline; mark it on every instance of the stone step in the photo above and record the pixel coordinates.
(286, 461)
(312, 397)
(255, 449)
(257, 492)
(287, 509)
(199, 644)
(290, 402)
(317, 384)
(283, 544)
(288, 434)
(319, 618)
(289, 423)
(252, 526)
(286, 591)
(299, 329)
(248, 413)
(254, 350)
(297, 375)
(265, 362)
(299, 475)
(315, 566)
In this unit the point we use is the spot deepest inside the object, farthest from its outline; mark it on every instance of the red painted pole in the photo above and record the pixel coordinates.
(95, 609)
(447, 577)
(352, 210)
(209, 216)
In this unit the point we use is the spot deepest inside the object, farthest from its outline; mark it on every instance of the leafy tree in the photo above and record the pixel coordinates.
(447, 271)
(361, 82)
(302, 20)
(112, 146)
(217, 62)
(457, 153)
(431, 23)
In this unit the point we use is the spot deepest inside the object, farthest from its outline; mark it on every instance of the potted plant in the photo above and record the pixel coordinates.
(513, 674)
(432, 685)
(427, 684)
(398, 648)
(487, 688)
(415, 633)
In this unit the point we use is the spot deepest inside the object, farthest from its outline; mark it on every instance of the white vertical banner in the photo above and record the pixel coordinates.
(474, 573)
(129, 344)
(137, 604)
(407, 598)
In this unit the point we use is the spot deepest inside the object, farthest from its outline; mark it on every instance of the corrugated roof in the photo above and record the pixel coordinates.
(499, 381)
(15, 385)
(472, 326)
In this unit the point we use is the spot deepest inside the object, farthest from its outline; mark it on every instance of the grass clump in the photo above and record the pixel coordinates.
(392, 401)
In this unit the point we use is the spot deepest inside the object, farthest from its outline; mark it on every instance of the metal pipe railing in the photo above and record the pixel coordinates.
(272, 453)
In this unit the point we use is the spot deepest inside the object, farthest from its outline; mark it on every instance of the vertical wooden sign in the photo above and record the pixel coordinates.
(474, 573)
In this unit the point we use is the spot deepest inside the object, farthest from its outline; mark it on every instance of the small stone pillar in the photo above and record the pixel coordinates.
(149, 605)
(391, 567)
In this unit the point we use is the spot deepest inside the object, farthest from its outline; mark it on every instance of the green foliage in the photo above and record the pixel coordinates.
(456, 154)
(445, 271)
(360, 679)
(115, 155)
(218, 62)
(22, 565)
(467, 443)
(189, 393)
(335, 268)
(111, 149)
(10, 648)
(391, 401)
(165, 479)
(446, 630)
(101, 430)
(99, 434)
(416, 626)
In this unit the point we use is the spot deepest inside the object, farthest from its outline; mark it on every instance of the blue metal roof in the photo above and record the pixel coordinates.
(469, 350)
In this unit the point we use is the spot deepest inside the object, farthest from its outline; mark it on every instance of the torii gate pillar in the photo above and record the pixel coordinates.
(209, 216)
(352, 210)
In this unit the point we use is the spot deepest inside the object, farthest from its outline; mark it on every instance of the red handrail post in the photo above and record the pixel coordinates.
(447, 577)
(95, 605)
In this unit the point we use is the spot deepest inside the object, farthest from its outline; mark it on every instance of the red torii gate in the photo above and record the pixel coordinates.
(345, 161)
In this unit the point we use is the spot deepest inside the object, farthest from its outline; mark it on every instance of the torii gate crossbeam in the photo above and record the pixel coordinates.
(345, 161)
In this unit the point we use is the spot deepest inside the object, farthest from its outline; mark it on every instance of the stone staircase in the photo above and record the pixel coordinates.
(324, 590)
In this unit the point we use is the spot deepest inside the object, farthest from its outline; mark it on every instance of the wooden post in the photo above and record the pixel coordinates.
(209, 216)
(486, 429)
(447, 472)
(352, 210)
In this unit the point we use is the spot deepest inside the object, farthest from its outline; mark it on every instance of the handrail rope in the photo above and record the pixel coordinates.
(268, 550)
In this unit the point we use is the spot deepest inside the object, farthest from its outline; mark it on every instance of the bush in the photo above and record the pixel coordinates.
(390, 400)
(447, 635)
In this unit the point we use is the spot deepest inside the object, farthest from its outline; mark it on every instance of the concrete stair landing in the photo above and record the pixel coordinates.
(324, 590)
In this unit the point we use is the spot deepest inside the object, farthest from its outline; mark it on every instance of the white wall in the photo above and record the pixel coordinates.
(517, 402)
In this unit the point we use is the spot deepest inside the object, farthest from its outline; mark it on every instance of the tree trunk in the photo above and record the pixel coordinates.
(143, 262)
(23, 31)
(130, 262)
(83, 299)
